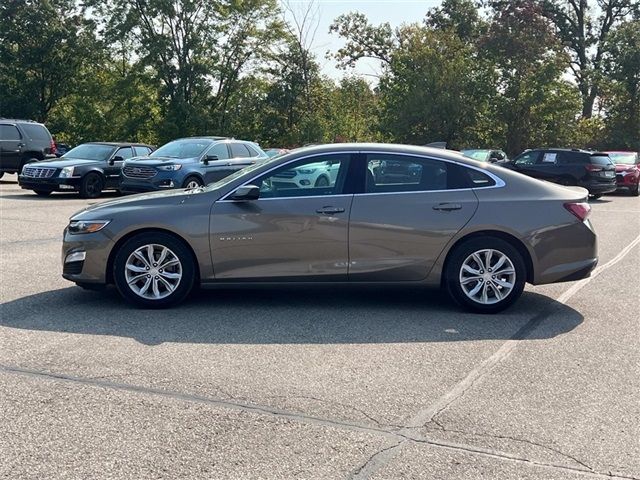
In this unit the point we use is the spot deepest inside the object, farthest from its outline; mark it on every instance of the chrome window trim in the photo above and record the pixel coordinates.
(499, 182)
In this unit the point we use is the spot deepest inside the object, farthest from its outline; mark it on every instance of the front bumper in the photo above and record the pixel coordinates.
(85, 257)
(627, 179)
(53, 184)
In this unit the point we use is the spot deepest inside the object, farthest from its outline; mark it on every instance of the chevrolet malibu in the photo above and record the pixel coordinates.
(477, 230)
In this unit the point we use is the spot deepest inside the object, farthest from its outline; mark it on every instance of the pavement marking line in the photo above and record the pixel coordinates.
(424, 416)
(187, 397)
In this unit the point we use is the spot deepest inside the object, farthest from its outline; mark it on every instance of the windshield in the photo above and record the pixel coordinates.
(481, 155)
(240, 173)
(91, 151)
(625, 158)
(182, 148)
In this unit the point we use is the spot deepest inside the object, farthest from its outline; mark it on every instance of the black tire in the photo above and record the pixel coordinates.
(181, 252)
(596, 196)
(455, 263)
(322, 182)
(91, 185)
(192, 179)
(635, 191)
(42, 193)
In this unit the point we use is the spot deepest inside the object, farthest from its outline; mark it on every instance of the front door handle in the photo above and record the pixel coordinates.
(447, 207)
(330, 210)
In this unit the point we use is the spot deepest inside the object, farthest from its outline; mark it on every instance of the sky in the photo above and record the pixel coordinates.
(395, 12)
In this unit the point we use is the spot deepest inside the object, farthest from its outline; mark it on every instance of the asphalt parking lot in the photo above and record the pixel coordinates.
(314, 383)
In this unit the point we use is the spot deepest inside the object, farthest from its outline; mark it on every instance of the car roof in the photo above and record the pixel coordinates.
(119, 144)
(382, 148)
(204, 137)
(20, 120)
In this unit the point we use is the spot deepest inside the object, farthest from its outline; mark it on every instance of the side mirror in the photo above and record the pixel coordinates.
(246, 192)
(209, 158)
(115, 159)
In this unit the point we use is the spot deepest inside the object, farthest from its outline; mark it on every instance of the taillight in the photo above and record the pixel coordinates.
(593, 168)
(52, 147)
(579, 210)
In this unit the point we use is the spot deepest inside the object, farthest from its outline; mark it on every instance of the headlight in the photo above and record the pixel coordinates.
(87, 226)
(66, 172)
(170, 168)
(307, 171)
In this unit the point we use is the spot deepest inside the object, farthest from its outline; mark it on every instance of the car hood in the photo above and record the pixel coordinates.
(156, 161)
(69, 162)
(140, 201)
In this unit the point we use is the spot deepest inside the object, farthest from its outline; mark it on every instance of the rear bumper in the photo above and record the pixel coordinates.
(596, 187)
(49, 184)
(565, 254)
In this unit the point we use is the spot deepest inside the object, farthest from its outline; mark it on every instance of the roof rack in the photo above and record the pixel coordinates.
(18, 120)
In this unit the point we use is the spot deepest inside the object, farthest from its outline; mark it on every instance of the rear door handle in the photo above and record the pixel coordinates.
(330, 210)
(447, 207)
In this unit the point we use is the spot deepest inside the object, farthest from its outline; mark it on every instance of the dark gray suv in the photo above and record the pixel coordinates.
(22, 142)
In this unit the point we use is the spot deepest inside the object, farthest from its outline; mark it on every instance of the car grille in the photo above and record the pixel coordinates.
(38, 172)
(286, 174)
(139, 172)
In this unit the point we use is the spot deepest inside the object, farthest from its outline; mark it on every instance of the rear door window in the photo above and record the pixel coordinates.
(9, 132)
(571, 158)
(396, 173)
(238, 150)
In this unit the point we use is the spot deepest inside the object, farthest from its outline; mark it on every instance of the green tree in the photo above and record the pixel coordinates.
(198, 50)
(622, 94)
(43, 47)
(584, 31)
(530, 63)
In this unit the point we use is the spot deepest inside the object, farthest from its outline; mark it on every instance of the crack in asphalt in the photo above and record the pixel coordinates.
(427, 414)
(344, 405)
(398, 438)
(507, 437)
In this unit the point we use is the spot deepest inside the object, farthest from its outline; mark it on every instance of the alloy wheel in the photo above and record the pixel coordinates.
(487, 276)
(153, 271)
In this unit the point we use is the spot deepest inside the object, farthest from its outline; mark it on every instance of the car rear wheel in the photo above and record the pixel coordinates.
(192, 182)
(596, 196)
(634, 191)
(91, 185)
(485, 275)
(154, 270)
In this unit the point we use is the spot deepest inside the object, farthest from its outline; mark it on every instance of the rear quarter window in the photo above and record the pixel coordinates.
(478, 179)
(36, 132)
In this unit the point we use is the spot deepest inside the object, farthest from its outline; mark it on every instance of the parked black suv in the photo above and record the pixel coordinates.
(21, 142)
(592, 170)
(88, 169)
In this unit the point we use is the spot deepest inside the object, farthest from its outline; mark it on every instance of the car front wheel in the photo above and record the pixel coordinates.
(154, 270)
(485, 275)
